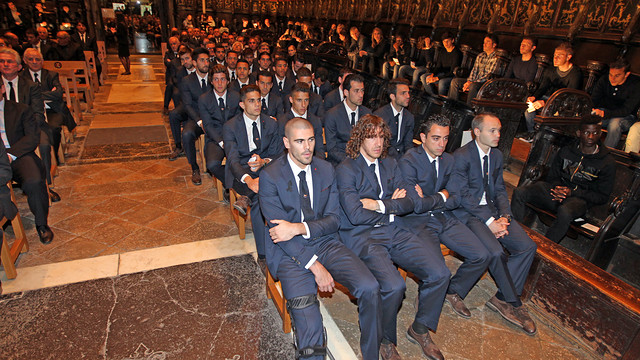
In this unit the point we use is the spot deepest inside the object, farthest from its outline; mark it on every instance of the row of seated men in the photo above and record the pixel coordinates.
(614, 96)
(33, 113)
(374, 201)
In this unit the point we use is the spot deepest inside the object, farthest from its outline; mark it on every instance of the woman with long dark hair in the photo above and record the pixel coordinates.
(123, 43)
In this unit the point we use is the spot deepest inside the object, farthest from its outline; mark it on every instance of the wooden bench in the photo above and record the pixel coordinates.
(9, 255)
(90, 58)
(200, 142)
(81, 71)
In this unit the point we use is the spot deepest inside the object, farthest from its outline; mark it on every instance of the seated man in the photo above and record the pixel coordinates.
(525, 66)
(243, 79)
(251, 141)
(282, 81)
(340, 119)
(484, 207)
(270, 102)
(321, 84)
(298, 108)
(484, 66)
(336, 96)
(372, 193)
(216, 108)
(66, 50)
(581, 176)
(191, 87)
(357, 49)
(422, 53)
(231, 61)
(449, 58)
(616, 99)
(316, 105)
(562, 75)
(397, 57)
(305, 253)
(398, 117)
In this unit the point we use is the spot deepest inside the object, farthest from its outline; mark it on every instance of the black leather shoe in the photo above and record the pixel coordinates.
(54, 196)
(225, 196)
(195, 177)
(176, 153)
(45, 234)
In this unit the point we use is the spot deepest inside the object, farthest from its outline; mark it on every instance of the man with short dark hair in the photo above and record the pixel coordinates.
(171, 61)
(270, 102)
(316, 106)
(485, 65)
(616, 99)
(321, 84)
(398, 117)
(484, 207)
(340, 119)
(251, 141)
(336, 96)
(580, 177)
(525, 66)
(219, 55)
(299, 108)
(231, 62)
(243, 78)
(282, 82)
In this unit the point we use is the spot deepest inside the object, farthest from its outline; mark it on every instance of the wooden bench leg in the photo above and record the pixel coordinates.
(9, 255)
(239, 219)
(7, 262)
(274, 293)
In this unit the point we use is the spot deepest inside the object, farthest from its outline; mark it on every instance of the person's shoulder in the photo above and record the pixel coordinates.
(275, 167)
(233, 94)
(447, 157)
(323, 167)
(334, 111)
(382, 110)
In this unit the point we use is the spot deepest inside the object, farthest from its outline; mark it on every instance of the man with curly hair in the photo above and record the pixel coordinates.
(372, 193)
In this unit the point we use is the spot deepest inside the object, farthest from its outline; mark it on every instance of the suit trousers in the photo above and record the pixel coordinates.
(510, 272)
(388, 245)
(348, 270)
(190, 133)
(168, 95)
(538, 194)
(260, 230)
(29, 171)
(55, 121)
(176, 117)
(456, 87)
(457, 237)
(214, 155)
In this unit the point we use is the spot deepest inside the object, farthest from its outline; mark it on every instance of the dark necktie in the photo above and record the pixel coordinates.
(256, 135)
(204, 84)
(485, 177)
(435, 172)
(221, 104)
(35, 78)
(12, 92)
(280, 85)
(353, 118)
(373, 170)
(305, 198)
(264, 105)
(395, 131)
(233, 75)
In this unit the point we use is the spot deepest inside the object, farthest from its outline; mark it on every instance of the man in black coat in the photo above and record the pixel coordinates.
(399, 119)
(171, 61)
(87, 43)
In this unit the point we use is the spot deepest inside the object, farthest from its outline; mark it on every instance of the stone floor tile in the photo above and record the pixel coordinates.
(143, 239)
(115, 205)
(143, 214)
(172, 222)
(74, 249)
(61, 211)
(203, 230)
(199, 207)
(112, 232)
(169, 199)
(82, 222)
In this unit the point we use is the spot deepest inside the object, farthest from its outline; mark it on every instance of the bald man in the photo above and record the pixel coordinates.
(66, 50)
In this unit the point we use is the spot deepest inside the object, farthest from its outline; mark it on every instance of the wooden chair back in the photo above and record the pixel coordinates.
(9, 254)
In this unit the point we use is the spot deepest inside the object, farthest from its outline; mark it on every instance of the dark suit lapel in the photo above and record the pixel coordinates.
(242, 136)
(292, 190)
(394, 128)
(263, 132)
(316, 187)
(368, 173)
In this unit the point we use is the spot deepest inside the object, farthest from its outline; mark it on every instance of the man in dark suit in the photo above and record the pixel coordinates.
(171, 61)
(282, 82)
(66, 50)
(263, 63)
(427, 169)
(372, 193)
(216, 108)
(88, 43)
(398, 117)
(270, 102)
(299, 198)
(336, 96)
(243, 79)
(191, 87)
(484, 208)
(340, 119)
(299, 108)
(316, 105)
(356, 50)
(321, 84)
(251, 141)
(22, 127)
(44, 46)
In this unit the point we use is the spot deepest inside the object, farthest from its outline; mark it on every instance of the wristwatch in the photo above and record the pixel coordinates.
(506, 216)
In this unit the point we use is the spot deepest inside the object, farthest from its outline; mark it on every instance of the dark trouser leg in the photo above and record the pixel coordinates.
(190, 134)
(444, 85)
(424, 259)
(537, 194)
(351, 272)
(168, 92)
(176, 117)
(28, 170)
(257, 224)
(214, 155)
(45, 154)
(570, 209)
(473, 91)
(456, 87)
(522, 250)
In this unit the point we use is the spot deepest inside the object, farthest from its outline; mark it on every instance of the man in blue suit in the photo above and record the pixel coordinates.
(299, 198)
(340, 119)
(271, 104)
(216, 108)
(372, 193)
(191, 87)
(299, 108)
(428, 168)
(336, 96)
(316, 106)
(251, 141)
(484, 208)
(399, 119)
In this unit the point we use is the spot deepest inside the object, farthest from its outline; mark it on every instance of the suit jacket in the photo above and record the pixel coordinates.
(288, 83)
(71, 52)
(21, 127)
(415, 169)
(356, 181)
(236, 146)
(190, 90)
(337, 128)
(361, 44)
(29, 93)
(213, 118)
(332, 98)
(275, 106)
(235, 84)
(172, 64)
(466, 183)
(398, 148)
(48, 81)
(280, 199)
(319, 149)
(316, 105)
(89, 44)
(325, 88)
(48, 51)
(7, 208)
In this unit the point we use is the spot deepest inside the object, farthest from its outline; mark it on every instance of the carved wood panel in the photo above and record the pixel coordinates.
(621, 15)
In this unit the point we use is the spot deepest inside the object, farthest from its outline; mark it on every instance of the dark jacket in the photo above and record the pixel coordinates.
(552, 81)
(617, 101)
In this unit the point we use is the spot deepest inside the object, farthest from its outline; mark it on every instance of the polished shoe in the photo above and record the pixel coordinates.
(389, 352)
(176, 153)
(528, 325)
(429, 348)
(458, 305)
(225, 196)
(54, 196)
(195, 177)
(505, 309)
(45, 234)
(242, 204)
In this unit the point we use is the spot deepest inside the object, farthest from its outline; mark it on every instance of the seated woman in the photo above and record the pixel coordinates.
(376, 52)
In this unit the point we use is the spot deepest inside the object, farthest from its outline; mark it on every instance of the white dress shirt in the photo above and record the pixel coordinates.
(483, 200)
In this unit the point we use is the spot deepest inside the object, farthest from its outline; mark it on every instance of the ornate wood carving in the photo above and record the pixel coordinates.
(578, 21)
(594, 68)
(495, 16)
(632, 28)
(532, 19)
(565, 107)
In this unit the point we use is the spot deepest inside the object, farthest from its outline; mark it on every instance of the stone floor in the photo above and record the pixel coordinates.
(119, 200)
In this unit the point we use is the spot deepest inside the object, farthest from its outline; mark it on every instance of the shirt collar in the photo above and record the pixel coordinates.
(395, 112)
(349, 111)
(482, 153)
(295, 114)
(429, 156)
(369, 162)
(296, 169)
(201, 78)
(248, 120)
(190, 71)
(36, 72)
(266, 98)
(223, 96)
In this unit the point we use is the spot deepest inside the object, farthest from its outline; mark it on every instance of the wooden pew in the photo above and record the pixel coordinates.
(200, 142)
(9, 255)
(93, 68)
(102, 56)
(81, 71)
